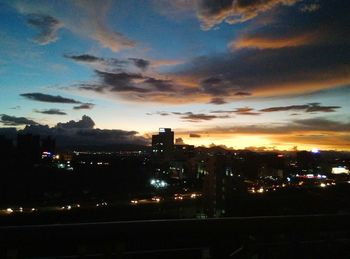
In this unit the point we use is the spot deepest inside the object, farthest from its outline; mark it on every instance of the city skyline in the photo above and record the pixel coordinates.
(271, 74)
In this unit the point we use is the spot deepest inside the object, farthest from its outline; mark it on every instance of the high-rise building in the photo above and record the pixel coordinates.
(163, 143)
(217, 185)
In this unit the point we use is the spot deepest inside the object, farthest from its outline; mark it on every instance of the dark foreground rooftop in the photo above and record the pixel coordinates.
(307, 236)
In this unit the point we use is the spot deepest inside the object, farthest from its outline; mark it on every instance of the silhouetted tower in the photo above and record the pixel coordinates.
(163, 143)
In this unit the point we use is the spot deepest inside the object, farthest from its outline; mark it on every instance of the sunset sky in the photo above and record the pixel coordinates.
(240, 73)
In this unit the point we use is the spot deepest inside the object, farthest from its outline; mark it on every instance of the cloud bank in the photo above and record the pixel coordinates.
(8, 120)
(74, 134)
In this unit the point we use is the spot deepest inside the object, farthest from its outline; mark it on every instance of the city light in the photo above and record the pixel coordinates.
(158, 183)
(340, 170)
(156, 199)
(260, 190)
(315, 150)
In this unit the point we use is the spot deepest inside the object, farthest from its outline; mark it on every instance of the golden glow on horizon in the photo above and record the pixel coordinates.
(270, 142)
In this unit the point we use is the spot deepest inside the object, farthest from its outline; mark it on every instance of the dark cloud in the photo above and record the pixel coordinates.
(164, 114)
(129, 82)
(198, 117)
(120, 82)
(140, 63)
(48, 98)
(317, 108)
(16, 121)
(111, 63)
(107, 63)
(214, 86)
(245, 111)
(219, 87)
(51, 112)
(86, 106)
(218, 101)
(179, 113)
(92, 87)
(312, 107)
(159, 84)
(193, 135)
(84, 58)
(242, 94)
(285, 108)
(47, 26)
(74, 134)
(85, 123)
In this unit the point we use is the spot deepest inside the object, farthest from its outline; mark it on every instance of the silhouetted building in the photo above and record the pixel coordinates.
(308, 162)
(184, 150)
(163, 143)
(181, 165)
(6, 150)
(217, 185)
(48, 145)
(272, 165)
(28, 148)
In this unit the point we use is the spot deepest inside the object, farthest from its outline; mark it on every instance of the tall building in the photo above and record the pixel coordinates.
(217, 186)
(163, 143)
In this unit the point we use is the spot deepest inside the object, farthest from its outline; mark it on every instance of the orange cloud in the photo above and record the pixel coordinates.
(211, 13)
(159, 63)
(272, 43)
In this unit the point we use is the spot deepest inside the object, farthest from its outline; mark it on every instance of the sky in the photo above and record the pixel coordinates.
(272, 74)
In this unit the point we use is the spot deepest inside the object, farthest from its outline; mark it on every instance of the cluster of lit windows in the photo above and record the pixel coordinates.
(46, 154)
(158, 183)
